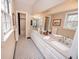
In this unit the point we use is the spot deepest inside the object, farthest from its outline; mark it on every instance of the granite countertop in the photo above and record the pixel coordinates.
(54, 43)
(61, 48)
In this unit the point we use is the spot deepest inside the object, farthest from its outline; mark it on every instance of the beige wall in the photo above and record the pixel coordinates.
(7, 48)
(13, 6)
(60, 29)
(28, 11)
(58, 16)
(28, 27)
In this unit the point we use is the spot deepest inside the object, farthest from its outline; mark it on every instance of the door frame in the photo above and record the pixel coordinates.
(16, 30)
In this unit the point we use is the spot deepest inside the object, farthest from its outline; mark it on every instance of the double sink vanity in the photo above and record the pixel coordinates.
(52, 46)
(52, 38)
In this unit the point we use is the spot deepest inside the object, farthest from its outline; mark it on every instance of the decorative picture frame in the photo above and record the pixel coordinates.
(56, 22)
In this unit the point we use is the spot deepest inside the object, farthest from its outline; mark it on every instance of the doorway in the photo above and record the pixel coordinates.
(22, 24)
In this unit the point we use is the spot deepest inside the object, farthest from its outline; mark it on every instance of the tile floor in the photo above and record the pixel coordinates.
(26, 49)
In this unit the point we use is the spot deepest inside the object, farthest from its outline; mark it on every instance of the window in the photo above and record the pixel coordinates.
(5, 17)
(71, 21)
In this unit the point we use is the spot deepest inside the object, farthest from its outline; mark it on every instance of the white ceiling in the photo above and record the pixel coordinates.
(43, 5)
(36, 5)
(24, 4)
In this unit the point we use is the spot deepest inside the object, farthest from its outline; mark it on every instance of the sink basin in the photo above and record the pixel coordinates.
(46, 37)
(60, 45)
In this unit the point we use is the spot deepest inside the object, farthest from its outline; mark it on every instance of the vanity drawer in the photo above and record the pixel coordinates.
(45, 51)
(52, 51)
(56, 53)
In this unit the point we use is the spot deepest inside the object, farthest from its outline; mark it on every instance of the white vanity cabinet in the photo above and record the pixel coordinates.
(47, 51)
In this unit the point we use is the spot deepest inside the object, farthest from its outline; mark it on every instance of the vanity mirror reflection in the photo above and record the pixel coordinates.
(47, 25)
(37, 23)
(42, 24)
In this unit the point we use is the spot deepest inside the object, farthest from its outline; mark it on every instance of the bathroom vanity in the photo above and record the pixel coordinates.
(50, 46)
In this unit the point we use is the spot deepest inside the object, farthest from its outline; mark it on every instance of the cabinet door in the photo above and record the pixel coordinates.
(56, 53)
(46, 51)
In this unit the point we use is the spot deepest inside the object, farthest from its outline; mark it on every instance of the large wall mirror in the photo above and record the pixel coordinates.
(47, 24)
(37, 23)
(42, 24)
